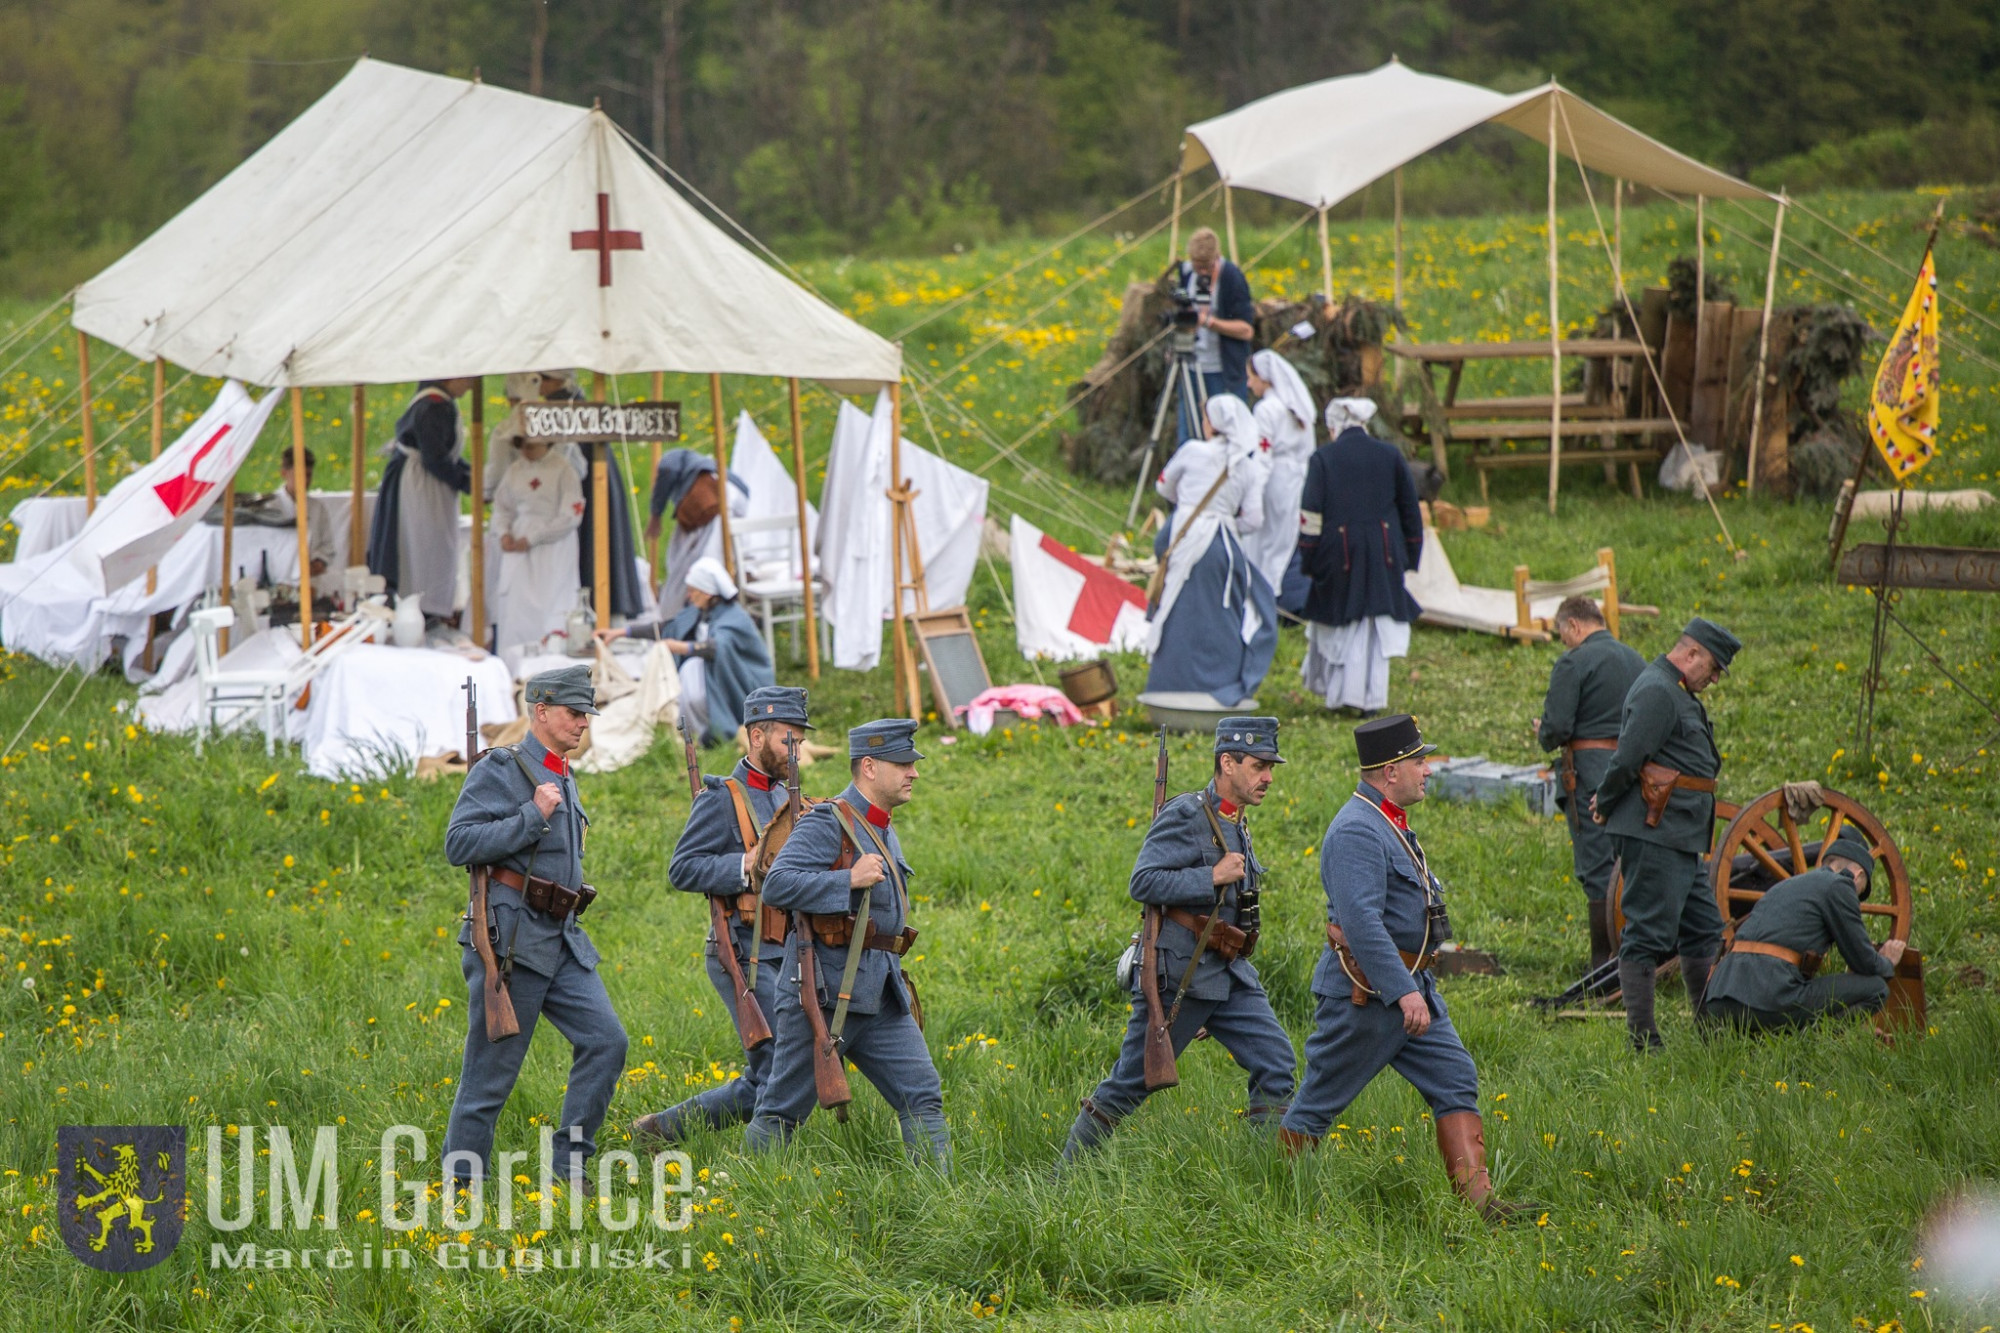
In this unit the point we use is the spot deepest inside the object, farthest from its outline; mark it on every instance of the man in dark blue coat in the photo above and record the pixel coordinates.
(1227, 331)
(842, 856)
(1197, 862)
(1359, 531)
(713, 857)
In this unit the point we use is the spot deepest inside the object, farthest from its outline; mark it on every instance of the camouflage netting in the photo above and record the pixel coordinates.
(1829, 346)
(1121, 392)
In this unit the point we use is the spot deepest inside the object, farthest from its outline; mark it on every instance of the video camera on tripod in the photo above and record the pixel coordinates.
(1183, 386)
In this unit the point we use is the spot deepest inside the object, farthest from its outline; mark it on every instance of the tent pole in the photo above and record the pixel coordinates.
(1618, 237)
(722, 470)
(600, 522)
(1174, 227)
(1764, 349)
(1555, 322)
(1325, 260)
(357, 525)
(1229, 219)
(299, 508)
(1399, 238)
(906, 701)
(228, 553)
(89, 426)
(476, 437)
(653, 542)
(159, 429)
(805, 535)
(1700, 275)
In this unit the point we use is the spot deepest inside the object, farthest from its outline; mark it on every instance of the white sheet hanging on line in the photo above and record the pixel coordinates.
(854, 546)
(772, 495)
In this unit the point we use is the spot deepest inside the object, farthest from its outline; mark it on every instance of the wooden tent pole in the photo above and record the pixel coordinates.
(89, 424)
(1229, 219)
(1399, 237)
(1325, 260)
(159, 430)
(805, 535)
(722, 470)
(299, 507)
(476, 595)
(600, 522)
(1174, 226)
(228, 555)
(1764, 348)
(907, 702)
(357, 521)
(1618, 240)
(1700, 276)
(1555, 321)
(653, 541)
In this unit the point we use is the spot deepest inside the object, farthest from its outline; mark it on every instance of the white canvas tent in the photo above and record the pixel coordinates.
(1323, 142)
(410, 226)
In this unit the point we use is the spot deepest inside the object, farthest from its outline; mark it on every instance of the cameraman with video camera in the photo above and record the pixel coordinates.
(1225, 321)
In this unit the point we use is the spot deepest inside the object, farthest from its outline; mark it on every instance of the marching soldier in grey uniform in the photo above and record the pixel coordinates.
(713, 858)
(1197, 863)
(1379, 1005)
(1657, 799)
(519, 815)
(1766, 979)
(843, 877)
(1580, 715)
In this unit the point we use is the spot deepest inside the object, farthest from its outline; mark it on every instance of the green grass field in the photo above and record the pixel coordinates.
(230, 942)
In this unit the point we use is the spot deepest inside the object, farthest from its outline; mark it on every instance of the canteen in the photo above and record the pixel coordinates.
(407, 630)
(580, 626)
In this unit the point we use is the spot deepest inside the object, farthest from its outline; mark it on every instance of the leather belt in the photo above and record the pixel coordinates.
(1228, 942)
(1569, 756)
(545, 895)
(836, 930)
(1337, 939)
(1808, 963)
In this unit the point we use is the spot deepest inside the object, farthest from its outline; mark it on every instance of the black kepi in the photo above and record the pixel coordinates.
(1384, 740)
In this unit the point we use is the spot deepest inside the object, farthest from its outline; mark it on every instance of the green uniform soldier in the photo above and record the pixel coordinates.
(1587, 688)
(1657, 798)
(1766, 979)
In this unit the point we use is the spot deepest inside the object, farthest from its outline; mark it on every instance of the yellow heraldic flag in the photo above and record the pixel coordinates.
(1903, 407)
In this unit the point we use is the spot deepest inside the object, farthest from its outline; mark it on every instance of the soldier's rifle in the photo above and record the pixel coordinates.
(829, 1070)
(1161, 1071)
(501, 1021)
(752, 1029)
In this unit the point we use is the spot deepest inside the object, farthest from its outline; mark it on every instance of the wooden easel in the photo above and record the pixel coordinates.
(903, 539)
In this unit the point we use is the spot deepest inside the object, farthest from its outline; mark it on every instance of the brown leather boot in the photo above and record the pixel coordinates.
(1294, 1142)
(1462, 1144)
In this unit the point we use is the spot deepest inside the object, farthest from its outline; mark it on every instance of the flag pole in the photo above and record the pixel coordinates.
(89, 425)
(1555, 319)
(1764, 350)
(1844, 507)
(297, 396)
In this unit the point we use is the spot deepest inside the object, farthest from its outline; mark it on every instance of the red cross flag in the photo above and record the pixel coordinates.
(1065, 606)
(145, 514)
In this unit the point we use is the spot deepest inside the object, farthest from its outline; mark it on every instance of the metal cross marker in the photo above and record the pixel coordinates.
(604, 240)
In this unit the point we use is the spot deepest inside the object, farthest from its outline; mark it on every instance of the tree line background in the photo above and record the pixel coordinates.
(903, 124)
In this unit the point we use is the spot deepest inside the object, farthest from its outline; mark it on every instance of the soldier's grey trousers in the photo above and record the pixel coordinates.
(1352, 1043)
(1668, 905)
(1590, 848)
(1825, 997)
(733, 1102)
(1242, 1025)
(575, 1002)
(887, 1047)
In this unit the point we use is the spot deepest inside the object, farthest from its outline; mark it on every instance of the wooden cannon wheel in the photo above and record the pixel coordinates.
(1765, 833)
(1777, 848)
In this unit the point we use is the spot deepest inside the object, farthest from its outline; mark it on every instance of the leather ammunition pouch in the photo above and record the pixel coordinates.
(777, 922)
(1224, 940)
(1658, 783)
(1363, 992)
(1806, 963)
(1569, 758)
(545, 895)
(836, 931)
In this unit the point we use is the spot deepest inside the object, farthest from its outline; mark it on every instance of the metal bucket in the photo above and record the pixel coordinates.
(1088, 683)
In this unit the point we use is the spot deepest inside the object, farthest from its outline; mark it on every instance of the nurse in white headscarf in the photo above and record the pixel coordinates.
(1215, 629)
(721, 656)
(1284, 417)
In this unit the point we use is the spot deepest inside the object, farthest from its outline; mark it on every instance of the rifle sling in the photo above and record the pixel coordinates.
(751, 834)
(1214, 914)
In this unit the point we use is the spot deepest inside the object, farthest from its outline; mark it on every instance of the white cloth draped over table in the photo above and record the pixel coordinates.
(533, 591)
(376, 710)
(1285, 421)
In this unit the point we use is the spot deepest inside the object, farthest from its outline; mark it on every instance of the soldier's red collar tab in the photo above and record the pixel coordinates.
(555, 763)
(876, 815)
(1396, 815)
(1225, 808)
(756, 779)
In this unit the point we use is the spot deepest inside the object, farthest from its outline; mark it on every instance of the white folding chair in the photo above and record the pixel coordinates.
(236, 692)
(768, 579)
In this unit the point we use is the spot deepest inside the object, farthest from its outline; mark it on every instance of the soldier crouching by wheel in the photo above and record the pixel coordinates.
(1197, 871)
(843, 878)
(714, 856)
(1766, 982)
(519, 816)
(1378, 1003)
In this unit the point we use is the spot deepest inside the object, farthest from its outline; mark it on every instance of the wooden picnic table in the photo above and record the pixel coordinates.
(1483, 422)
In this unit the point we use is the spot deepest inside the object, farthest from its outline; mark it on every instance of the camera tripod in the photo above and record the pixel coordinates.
(1184, 387)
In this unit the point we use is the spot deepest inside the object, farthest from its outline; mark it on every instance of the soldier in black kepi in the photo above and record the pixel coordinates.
(1767, 981)
(1657, 798)
(1587, 688)
(519, 816)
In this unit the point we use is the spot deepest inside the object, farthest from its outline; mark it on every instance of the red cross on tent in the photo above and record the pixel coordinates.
(604, 240)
